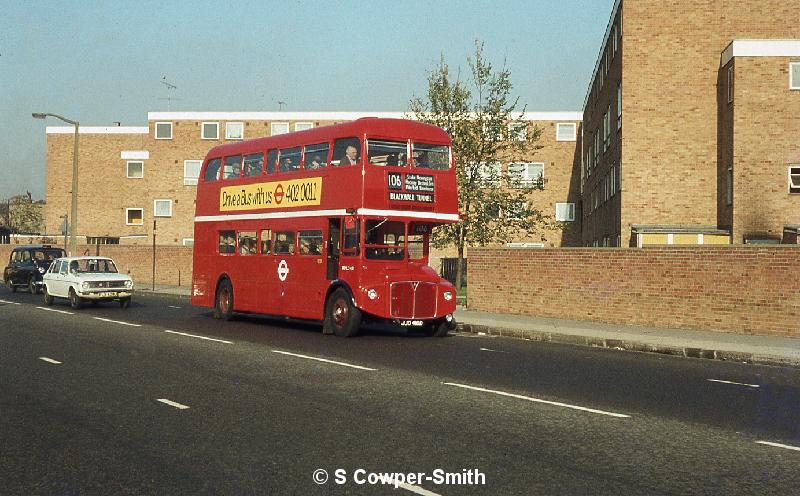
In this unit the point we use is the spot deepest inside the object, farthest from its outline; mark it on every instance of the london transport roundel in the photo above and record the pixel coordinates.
(283, 270)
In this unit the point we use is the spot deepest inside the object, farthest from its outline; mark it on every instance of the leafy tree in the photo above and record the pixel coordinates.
(480, 115)
(23, 215)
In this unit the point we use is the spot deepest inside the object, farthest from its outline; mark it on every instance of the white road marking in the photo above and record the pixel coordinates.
(117, 322)
(10, 302)
(50, 360)
(415, 489)
(199, 337)
(173, 306)
(172, 403)
(54, 310)
(323, 360)
(731, 382)
(493, 351)
(537, 400)
(779, 445)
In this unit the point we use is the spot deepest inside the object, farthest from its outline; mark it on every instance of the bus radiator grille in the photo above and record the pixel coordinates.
(413, 300)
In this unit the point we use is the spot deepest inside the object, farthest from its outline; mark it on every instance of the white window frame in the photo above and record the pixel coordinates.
(569, 214)
(188, 180)
(519, 135)
(203, 130)
(229, 135)
(155, 130)
(619, 106)
(274, 124)
(303, 126)
(187, 242)
(155, 207)
(526, 176)
(484, 175)
(729, 187)
(574, 132)
(613, 174)
(794, 185)
(128, 169)
(794, 85)
(127, 210)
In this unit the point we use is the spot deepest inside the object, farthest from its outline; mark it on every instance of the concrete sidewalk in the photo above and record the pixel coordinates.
(763, 350)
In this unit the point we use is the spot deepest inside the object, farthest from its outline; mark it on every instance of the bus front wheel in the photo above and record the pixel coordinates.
(223, 303)
(437, 329)
(341, 316)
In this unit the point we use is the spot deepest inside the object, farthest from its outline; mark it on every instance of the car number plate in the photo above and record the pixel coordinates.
(107, 294)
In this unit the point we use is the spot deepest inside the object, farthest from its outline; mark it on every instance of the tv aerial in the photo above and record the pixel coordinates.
(170, 88)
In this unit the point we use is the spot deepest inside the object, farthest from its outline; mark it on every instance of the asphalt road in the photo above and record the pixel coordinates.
(264, 414)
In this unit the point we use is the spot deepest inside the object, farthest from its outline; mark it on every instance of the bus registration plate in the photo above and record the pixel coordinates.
(410, 323)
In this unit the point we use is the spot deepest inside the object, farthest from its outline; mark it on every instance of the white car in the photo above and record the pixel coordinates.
(82, 279)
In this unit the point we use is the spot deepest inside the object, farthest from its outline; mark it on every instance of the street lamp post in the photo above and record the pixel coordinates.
(73, 241)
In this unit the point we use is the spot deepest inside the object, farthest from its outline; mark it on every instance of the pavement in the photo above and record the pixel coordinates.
(761, 350)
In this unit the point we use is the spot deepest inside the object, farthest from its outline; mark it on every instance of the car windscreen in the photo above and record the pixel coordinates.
(46, 255)
(93, 265)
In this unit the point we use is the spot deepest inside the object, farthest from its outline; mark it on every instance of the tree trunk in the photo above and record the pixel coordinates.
(460, 264)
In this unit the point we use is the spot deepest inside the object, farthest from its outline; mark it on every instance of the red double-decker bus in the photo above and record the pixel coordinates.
(329, 224)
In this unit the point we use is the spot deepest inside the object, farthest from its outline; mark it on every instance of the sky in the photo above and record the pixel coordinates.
(101, 62)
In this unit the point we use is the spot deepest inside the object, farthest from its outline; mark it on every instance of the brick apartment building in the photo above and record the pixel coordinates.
(132, 176)
(690, 131)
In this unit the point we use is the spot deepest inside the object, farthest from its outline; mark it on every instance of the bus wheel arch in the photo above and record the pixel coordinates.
(223, 298)
(341, 317)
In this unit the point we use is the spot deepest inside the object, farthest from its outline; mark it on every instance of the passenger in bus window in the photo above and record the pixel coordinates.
(287, 165)
(316, 163)
(349, 156)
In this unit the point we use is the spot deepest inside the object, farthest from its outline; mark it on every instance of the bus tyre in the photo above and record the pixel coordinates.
(48, 298)
(341, 316)
(223, 303)
(437, 329)
(74, 300)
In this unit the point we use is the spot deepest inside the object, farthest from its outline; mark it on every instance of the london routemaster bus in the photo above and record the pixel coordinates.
(330, 224)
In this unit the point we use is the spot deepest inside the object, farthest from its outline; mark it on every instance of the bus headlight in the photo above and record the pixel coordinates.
(448, 296)
(372, 294)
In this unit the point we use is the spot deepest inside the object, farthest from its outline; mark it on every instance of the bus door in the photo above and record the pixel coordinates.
(332, 253)
(307, 287)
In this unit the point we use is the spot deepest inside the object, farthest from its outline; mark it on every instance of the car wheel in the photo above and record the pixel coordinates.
(125, 302)
(48, 298)
(74, 300)
(10, 285)
(32, 286)
(341, 316)
(223, 303)
(437, 329)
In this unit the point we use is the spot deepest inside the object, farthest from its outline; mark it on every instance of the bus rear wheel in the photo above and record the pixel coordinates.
(341, 316)
(223, 303)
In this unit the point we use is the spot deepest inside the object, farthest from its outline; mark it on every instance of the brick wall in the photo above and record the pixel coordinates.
(748, 290)
(173, 263)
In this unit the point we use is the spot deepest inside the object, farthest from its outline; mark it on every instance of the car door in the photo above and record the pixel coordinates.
(13, 264)
(51, 278)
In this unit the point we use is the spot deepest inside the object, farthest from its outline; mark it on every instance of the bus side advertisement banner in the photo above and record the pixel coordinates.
(278, 194)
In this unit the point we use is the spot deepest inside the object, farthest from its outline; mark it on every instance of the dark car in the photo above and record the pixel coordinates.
(27, 264)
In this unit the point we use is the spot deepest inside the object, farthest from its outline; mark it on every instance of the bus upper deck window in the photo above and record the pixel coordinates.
(290, 159)
(272, 157)
(316, 156)
(212, 169)
(232, 168)
(385, 152)
(253, 164)
(436, 157)
(346, 151)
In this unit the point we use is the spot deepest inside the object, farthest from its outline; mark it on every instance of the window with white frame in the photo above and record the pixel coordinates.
(729, 87)
(489, 173)
(191, 172)
(616, 39)
(163, 130)
(619, 106)
(134, 216)
(303, 126)
(517, 210)
(729, 188)
(794, 75)
(566, 131)
(279, 128)
(162, 208)
(565, 212)
(606, 128)
(188, 241)
(526, 173)
(794, 179)
(613, 175)
(209, 130)
(234, 130)
(518, 131)
(134, 169)
(596, 148)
